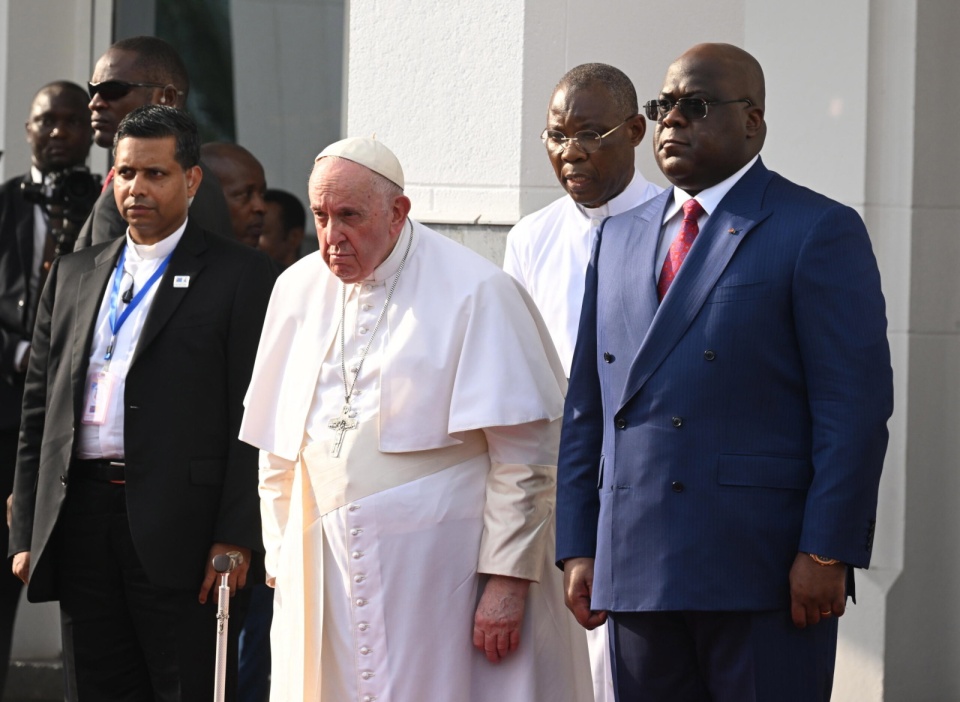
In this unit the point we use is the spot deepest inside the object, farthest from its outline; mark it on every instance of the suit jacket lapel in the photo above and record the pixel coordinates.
(185, 261)
(728, 226)
(24, 219)
(638, 299)
(89, 293)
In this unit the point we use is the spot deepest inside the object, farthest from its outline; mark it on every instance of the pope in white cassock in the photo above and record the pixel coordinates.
(406, 401)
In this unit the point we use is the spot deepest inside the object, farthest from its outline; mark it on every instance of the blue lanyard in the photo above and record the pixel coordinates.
(117, 322)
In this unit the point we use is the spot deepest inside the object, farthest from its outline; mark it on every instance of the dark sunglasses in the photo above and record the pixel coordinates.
(690, 108)
(116, 89)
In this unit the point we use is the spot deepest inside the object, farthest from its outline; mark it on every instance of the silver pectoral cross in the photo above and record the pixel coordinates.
(340, 425)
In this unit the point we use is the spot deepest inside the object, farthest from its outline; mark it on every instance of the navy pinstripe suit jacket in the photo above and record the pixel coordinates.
(709, 438)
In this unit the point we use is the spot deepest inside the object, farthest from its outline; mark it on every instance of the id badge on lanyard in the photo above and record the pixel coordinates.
(101, 384)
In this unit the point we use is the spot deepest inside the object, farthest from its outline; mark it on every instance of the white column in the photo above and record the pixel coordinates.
(459, 90)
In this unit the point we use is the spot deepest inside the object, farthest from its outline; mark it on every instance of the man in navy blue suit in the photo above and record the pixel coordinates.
(725, 427)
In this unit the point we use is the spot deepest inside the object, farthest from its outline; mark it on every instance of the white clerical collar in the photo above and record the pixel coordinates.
(143, 252)
(391, 264)
(710, 198)
(626, 200)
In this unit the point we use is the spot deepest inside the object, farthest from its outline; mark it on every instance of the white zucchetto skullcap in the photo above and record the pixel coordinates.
(369, 153)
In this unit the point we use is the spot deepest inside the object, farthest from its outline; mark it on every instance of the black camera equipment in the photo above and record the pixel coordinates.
(67, 197)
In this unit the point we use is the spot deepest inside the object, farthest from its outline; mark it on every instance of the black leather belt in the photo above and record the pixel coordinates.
(108, 470)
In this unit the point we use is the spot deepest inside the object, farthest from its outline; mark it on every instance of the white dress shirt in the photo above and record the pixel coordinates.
(41, 224)
(141, 261)
(548, 253)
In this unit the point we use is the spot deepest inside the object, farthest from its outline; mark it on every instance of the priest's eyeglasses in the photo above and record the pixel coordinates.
(690, 108)
(586, 141)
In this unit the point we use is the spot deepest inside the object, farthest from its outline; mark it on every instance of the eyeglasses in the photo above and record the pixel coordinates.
(690, 108)
(587, 141)
(116, 89)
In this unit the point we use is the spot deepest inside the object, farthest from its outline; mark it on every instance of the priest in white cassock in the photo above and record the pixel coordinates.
(406, 401)
(593, 129)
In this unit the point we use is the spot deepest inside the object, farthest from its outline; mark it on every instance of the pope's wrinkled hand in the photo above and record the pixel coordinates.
(499, 617)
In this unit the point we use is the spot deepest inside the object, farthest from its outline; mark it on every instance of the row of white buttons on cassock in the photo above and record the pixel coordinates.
(365, 320)
(358, 578)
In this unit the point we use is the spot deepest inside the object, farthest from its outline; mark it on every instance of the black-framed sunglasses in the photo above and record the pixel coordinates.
(690, 108)
(116, 89)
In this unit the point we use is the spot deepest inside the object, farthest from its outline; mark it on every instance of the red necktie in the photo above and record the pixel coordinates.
(107, 181)
(680, 246)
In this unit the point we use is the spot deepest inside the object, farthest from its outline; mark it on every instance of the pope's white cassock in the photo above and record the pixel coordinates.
(548, 253)
(378, 555)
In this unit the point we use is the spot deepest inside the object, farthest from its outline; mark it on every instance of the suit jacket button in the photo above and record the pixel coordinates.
(63, 480)
(676, 486)
(621, 423)
(608, 357)
(677, 422)
(709, 355)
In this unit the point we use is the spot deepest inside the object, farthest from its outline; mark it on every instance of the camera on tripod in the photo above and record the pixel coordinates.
(67, 197)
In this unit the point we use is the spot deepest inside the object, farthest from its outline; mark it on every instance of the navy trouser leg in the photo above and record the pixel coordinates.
(721, 657)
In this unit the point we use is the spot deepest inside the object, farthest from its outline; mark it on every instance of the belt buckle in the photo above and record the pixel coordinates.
(117, 464)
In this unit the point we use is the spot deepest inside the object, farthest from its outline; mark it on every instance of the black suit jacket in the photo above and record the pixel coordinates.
(208, 211)
(16, 308)
(190, 482)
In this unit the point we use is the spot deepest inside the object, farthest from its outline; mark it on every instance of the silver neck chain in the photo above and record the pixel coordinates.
(348, 391)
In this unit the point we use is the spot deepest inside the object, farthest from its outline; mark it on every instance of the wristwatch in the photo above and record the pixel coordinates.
(820, 560)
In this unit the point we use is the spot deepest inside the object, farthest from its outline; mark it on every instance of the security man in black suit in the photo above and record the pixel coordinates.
(134, 72)
(130, 477)
(59, 135)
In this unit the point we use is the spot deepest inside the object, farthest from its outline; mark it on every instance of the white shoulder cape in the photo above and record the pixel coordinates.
(466, 349)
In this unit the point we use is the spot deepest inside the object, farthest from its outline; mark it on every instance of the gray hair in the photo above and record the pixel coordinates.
(589, 75)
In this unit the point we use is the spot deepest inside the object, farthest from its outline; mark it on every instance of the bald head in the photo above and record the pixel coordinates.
(729, 62)
(71, 92)
(243, 181)
(697, 153)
